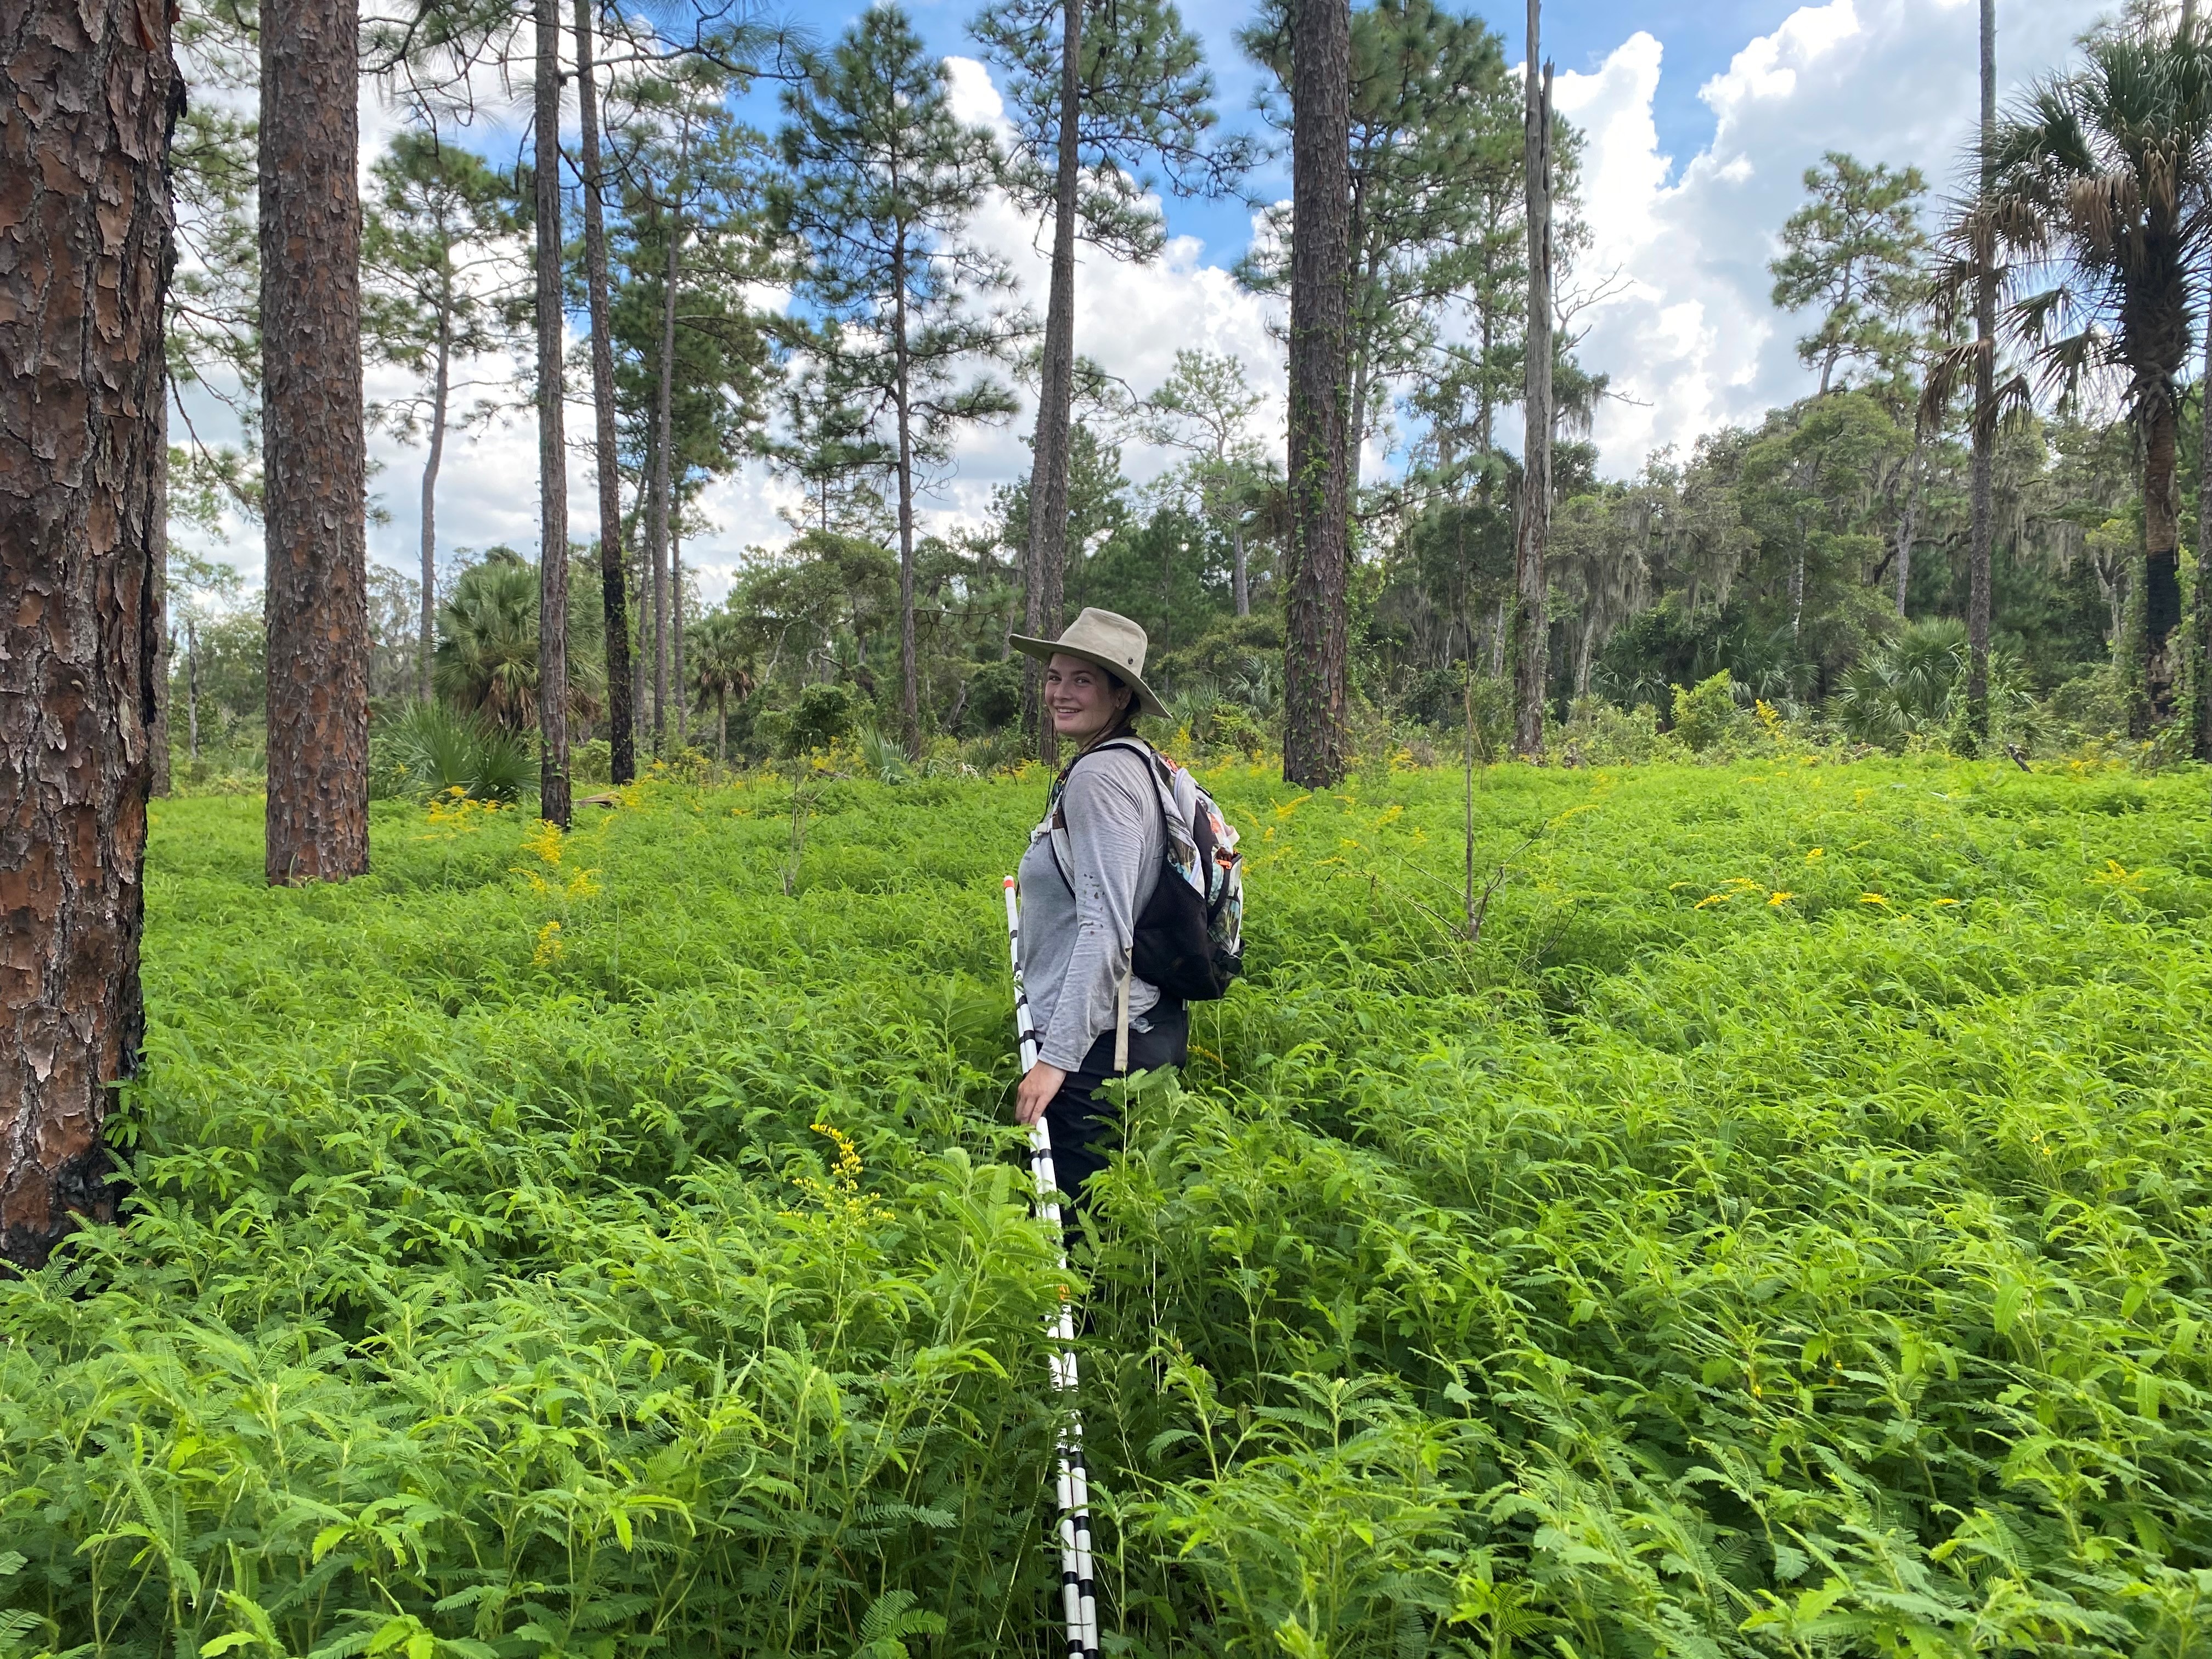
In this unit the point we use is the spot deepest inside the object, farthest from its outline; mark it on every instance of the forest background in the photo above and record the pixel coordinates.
(1815, 551)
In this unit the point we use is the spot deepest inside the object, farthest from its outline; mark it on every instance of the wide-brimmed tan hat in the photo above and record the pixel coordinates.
(1113, 642)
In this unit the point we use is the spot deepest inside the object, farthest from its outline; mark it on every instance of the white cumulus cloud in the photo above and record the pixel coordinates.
(1691, 340)
(1679, 248)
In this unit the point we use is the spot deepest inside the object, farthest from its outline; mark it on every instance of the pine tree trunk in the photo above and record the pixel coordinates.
(1314, 666)
(552, 440)
(441, 385)
(676, 625)
(909, 690)
(314, 504)
(641, 589)
(1981, 530)
(613, 590)
(157, 736)
(1044, 568)
(1532, 610)
(1359, 327)
(1797, 588)
(656, 527)
(1241, 576)
(192, 689)
(1485, 403)
(86, 99)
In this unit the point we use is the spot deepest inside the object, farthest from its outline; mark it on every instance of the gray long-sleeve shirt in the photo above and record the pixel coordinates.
(1076, 930)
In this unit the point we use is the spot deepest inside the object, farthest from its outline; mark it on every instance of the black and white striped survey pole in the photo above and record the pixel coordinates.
(1077, 1592)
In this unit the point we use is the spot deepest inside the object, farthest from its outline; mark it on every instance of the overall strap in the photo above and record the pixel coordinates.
(1055, 821)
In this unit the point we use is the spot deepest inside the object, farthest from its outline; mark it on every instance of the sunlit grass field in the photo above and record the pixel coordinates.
(1785, 1231)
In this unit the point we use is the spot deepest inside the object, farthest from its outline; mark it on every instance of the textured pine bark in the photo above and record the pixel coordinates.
(552, 445)
(1045, 568)
(676, 621)
(87, 99)
(157, 737)
(441, 391)
(614, 596)
(313, 455)
(1321, 264)
(909, 698)
(1532, 624)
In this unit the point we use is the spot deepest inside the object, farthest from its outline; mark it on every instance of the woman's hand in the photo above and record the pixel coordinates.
(1038, 1087)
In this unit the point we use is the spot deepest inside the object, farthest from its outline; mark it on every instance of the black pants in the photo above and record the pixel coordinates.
(1084, 1128)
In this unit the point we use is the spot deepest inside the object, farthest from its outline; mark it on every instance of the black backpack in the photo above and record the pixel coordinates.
(1189, 937)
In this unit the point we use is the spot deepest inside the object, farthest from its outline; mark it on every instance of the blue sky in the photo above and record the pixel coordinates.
(1699, 40)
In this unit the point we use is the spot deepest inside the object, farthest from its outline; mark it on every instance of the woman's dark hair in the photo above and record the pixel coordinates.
(1127, 725)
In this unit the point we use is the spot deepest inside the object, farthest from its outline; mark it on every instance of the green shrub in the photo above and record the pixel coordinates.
(883, 759)
(1599, 734)
(592, 761)
(426, 749)
(818, 718)
(994, 697)
(1706, 714)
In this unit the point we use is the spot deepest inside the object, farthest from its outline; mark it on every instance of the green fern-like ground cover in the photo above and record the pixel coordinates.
(1783, 1232)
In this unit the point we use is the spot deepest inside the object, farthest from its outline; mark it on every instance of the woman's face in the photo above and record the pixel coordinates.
(1083, 700)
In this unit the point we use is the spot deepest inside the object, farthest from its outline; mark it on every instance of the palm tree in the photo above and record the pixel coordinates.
(2097, 215)
(720, 669)
(486, 660)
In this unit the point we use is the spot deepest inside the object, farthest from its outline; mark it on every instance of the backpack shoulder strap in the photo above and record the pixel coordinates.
(1056, 818)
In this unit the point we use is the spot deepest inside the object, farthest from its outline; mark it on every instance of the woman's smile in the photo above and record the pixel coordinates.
(1082, 698)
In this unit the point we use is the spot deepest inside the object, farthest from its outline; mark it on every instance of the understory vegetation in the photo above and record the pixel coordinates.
(1781, 1232)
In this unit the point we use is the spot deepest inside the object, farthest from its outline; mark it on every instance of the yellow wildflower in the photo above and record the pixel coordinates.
(1817, 853)
(1871, 898)
(544, 840)
(2116, 874)
(1712, 898)
(1780, 895)
(549, 945)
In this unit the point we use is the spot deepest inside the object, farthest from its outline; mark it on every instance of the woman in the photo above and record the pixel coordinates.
(1078, 922)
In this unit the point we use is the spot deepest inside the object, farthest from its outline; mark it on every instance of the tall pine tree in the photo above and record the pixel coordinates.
(85, 91)
(553, 802)
(314, 450)
(1314, 668)
(1099, 99)
(1855, 251)
(882, 181)
(436, 222)
(1435, 145)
